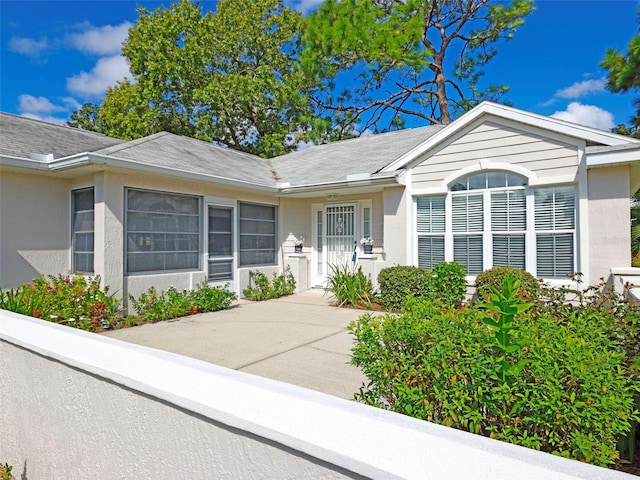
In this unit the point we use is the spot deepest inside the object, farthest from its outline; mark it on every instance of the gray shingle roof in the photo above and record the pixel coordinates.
(328, 163)
(332, 162)
(20, 137)
(194, 156)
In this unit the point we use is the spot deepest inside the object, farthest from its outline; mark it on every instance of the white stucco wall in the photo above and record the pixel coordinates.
(82, 406)
(609, 222)
(396, 224)
(35, 233)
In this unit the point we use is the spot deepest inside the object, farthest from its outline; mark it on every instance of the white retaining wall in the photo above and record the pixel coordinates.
(76, 405)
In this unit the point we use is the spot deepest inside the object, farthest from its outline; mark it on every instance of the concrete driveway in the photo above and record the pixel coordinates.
(300, 339)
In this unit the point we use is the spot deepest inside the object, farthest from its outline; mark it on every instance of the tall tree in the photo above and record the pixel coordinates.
(624, 76)
(227, 77)
(398, 58)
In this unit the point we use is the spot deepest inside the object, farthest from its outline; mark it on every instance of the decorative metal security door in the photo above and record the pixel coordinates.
(340, 235)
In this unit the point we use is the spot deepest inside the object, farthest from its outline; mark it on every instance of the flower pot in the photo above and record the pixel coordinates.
(298, 248)
(368, 249)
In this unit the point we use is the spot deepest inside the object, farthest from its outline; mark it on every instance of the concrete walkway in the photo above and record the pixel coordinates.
(299, 339)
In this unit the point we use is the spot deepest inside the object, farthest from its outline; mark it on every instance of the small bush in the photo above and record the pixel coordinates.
(571, 397)
(494, 277)
(261, 288)
(74, 300)
(5, 472)
(153, 306)
(399, 282)
(445, 283)
(350, 288)
(212, 299)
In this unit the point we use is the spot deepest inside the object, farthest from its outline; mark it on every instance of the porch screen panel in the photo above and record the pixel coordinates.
(257, 234)
(430, 226)
(82, 237)
(220, 244)
(163, 231)
(340, 234)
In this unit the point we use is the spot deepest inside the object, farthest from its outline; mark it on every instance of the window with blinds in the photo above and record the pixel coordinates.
(468, 227)
(488, 225)
(431, 230)
(555, 231)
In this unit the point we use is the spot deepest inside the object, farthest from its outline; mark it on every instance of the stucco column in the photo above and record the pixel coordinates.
(395, 226)
(109, 232)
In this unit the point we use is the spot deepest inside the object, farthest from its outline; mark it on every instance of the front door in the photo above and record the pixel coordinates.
(221, 258)
(340, 236)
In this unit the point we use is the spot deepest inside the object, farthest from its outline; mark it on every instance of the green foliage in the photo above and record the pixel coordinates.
(623, 75)
(153, 306)
(503, 305)
(261, 288)
(400, 282)
(445, 282)
(572, 396)
(5, 472)
(349, 287)
(74, 300)
(227, 77)
(419, 58)
(494, 279)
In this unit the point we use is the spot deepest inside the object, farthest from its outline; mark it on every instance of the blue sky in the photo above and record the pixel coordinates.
(56, 55)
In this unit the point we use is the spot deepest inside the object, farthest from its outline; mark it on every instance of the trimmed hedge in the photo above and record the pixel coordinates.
(445, 283)
(494, 277)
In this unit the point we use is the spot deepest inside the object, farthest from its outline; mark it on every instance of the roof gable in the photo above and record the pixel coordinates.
(488, 110)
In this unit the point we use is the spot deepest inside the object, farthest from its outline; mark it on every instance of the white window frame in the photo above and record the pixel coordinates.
(530, 231)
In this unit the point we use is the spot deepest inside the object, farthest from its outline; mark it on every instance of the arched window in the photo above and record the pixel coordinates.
(494, 219)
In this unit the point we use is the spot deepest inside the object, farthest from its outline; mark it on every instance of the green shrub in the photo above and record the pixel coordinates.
(212, 299)
(261, 288)
(352, 288)
(153, 306)
(74, 300)
(399, 282)
(494, 277)
(445, 283)
(572, 396)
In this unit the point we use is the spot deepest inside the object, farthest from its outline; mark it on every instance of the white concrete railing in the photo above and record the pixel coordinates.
(76, 405)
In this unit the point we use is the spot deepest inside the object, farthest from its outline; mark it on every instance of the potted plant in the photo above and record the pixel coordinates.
(298, 245)
(367, 244)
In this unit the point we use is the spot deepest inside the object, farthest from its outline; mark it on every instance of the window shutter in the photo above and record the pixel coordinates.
(555, 208)
(467, 250)
(430, 214)
(468, 212)
(508, 211)
(509, 251)
(554, 255)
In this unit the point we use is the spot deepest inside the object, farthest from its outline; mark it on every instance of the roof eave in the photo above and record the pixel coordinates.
(375, 181)
(613, 158)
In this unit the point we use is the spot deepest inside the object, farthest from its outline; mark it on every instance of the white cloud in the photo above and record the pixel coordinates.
(45, 118)
(580, 89)
(28, 46)
(31, 104)
(588, 115)
(106, 73)
(106, 40)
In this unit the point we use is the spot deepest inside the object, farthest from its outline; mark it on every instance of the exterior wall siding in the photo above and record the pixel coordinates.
(499, 144)
(609, 227)
(35, 236)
